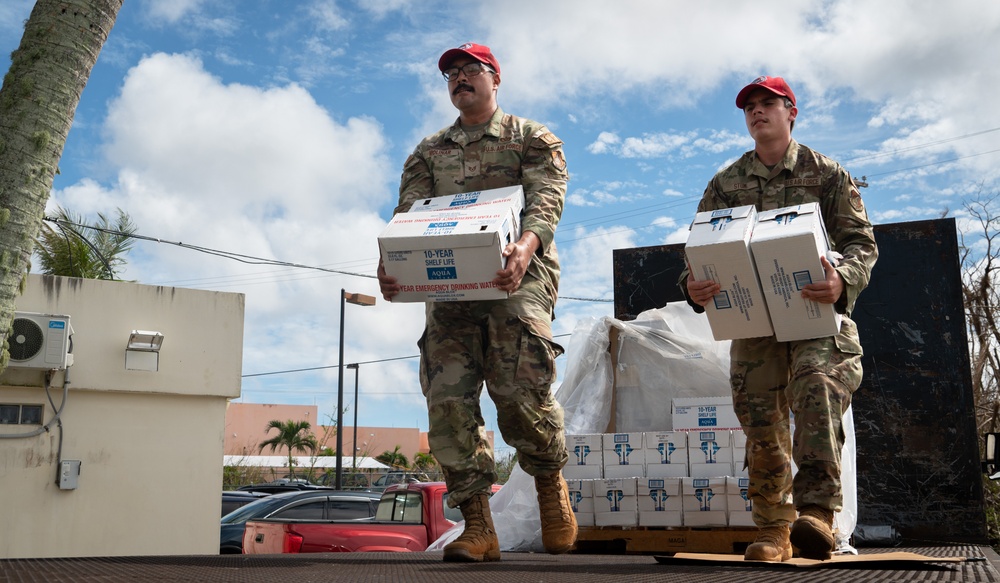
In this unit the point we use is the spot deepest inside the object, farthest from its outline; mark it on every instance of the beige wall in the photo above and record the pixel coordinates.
(150, 443)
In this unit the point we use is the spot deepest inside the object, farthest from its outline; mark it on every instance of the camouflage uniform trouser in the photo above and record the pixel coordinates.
(508, 344)
(815, 379)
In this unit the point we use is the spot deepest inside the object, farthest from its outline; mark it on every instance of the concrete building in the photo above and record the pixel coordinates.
(121, 454)
(246, 425)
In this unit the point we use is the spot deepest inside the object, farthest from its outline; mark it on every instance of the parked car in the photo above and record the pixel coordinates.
(392, 478)
(310, 504)
(409, 518)
(281, 486)
(233, 499)
(348, 480)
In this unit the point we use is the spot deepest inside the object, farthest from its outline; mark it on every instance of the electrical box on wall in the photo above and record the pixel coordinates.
(69, 474)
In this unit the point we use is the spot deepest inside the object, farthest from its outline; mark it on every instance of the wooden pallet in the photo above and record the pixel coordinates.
(649, 540)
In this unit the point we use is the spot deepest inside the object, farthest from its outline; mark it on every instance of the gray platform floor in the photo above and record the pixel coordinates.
(982, 566)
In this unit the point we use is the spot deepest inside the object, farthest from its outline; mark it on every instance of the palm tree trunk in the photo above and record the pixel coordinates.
(61, 42)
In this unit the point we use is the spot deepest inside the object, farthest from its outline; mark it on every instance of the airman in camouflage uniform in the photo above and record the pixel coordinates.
(506, 343)
(813, 378)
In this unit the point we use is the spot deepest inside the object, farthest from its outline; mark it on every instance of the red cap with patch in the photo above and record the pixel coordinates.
(775, 85)
(480, 53)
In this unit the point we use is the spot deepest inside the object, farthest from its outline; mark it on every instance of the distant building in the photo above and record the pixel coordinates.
(246, 425)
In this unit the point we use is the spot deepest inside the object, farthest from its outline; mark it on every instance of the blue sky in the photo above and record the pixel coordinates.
(279, 129)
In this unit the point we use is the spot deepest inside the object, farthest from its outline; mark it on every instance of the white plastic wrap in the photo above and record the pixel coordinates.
(662, 354)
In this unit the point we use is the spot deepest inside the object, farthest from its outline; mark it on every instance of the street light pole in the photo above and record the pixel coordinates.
(354, 442)
(360, 300)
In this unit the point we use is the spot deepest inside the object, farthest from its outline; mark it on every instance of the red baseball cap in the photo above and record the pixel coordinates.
(480, 53)
(775, 85)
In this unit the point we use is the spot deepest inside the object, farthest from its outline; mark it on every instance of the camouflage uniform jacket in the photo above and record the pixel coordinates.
(802, 176)
(511, 150)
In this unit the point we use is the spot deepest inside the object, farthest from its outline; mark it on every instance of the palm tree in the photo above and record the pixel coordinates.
(40, 93)
(294, 435)
(393, 459)
(94, 253)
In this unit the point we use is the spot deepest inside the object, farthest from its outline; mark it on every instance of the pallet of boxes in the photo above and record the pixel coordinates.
(684, 489)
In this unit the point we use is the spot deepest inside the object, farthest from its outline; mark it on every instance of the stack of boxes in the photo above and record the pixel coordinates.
(659, 478)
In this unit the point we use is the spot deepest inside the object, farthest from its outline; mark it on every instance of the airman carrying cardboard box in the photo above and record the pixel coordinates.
(718, 248)
(449, 248)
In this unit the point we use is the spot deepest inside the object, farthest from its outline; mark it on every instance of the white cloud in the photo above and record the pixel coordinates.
(606, 143)
(265, 173)
(327, 16)
(172, 10)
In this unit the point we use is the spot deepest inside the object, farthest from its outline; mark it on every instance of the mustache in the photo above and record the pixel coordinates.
(462, 87)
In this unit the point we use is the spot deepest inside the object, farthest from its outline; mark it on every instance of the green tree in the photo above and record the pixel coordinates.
(38, 99)
(425, 462)
(505, 465)
(293, 435)
(74, 251)
(394, 459)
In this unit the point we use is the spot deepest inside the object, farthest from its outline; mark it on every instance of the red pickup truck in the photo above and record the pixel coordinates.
(409, 518)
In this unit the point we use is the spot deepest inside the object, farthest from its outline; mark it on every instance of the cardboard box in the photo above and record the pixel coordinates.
(510, 196)
(586, 457)
(452, 253)
(660, 502)
(710, 453)
(615, 502)
(666, 454)
(623, 455)
(718, 248)
(704, 501)
(581, 498)
(703, 413)
(581, 495)
(738, 502)
(787, 244)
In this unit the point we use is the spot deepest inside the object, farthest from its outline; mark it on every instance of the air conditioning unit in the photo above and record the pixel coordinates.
(40, 341)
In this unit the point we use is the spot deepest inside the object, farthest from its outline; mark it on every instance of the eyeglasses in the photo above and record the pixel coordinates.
(470, 69)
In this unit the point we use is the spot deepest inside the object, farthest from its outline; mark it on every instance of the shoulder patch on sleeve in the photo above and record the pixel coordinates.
(558, 161)
(856, 202)
(548, 138)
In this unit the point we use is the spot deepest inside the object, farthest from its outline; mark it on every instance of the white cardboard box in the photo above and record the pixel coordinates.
(581, 495)
(623, 455)
(787, 244)
(451, 253)
(703, 413)
(660, 502)
(615, 502)
(512, 196)
(710, 453)
(718, 248)
(586, 456)
(666, 454)
(738, 502)
(704, 501)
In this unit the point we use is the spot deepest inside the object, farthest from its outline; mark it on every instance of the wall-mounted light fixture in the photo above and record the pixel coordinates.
(142, 352)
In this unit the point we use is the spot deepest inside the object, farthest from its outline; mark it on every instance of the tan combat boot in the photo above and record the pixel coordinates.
(558, 520)
(478, 542)
(812, 533)
(771, 545)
